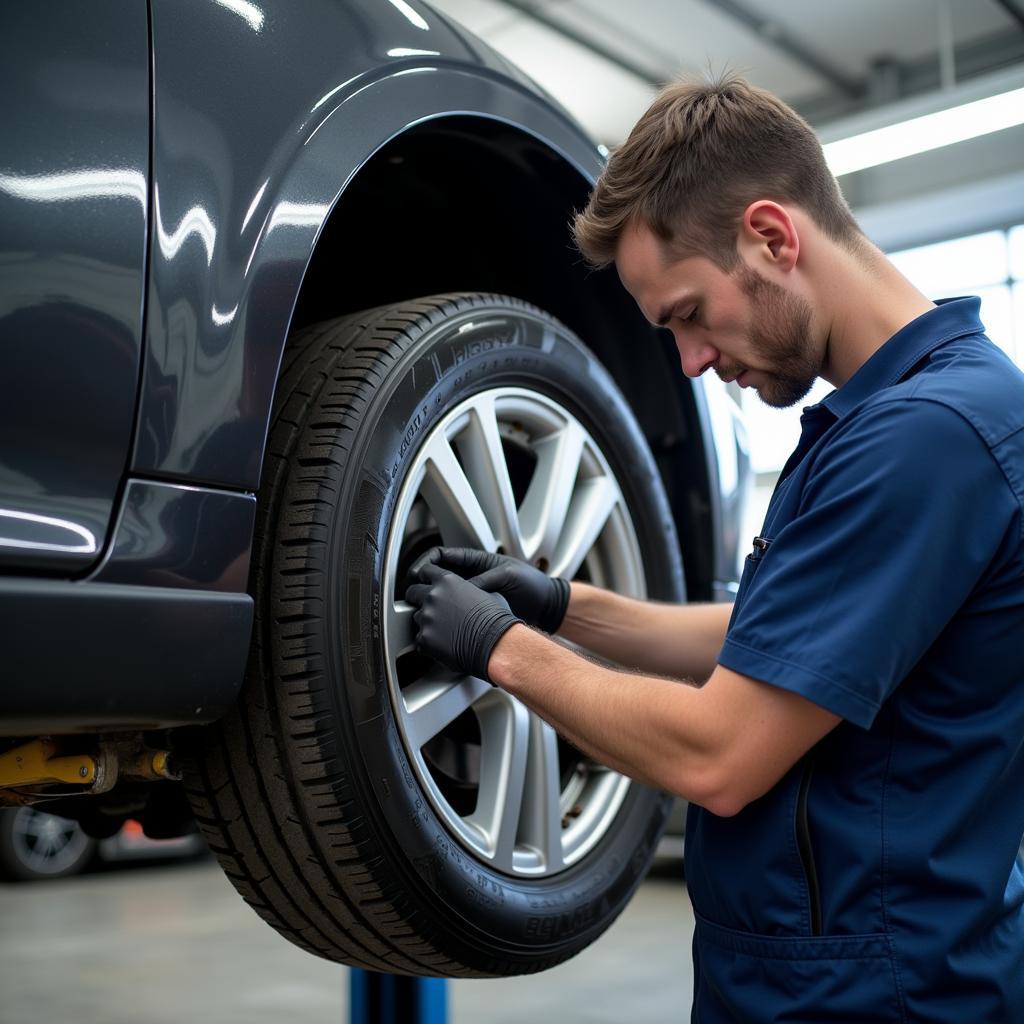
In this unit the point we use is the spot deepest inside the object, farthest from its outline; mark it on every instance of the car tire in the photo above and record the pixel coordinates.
(361, 798)
(35, 846)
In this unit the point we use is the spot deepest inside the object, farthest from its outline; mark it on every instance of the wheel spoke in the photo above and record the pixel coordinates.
(504, 742)
(434, 702)
(39, 858)
(547, 499)
(401, 628)
(591, 506)
(487, 471)
(541, 817)
(33, 823)
(462, 488)
(451, 498)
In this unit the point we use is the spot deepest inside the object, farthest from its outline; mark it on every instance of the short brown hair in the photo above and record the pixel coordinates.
(693, 163)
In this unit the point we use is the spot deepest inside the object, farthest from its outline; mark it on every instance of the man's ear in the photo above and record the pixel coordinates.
(768, 235)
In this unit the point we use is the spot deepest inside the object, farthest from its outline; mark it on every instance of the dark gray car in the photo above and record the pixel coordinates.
(287, 296)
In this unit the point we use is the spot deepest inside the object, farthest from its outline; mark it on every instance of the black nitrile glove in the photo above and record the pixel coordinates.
(458, 623)
(535, 597)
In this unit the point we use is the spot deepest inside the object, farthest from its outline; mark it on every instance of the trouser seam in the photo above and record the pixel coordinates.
(897, 976)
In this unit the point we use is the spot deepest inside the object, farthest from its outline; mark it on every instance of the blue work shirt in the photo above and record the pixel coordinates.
(882, 878)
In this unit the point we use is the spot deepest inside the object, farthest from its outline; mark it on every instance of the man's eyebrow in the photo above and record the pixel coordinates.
(662, 319)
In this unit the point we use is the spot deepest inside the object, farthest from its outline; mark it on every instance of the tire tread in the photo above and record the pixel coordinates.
(320, 881)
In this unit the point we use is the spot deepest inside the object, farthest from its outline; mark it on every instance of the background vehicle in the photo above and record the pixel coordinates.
(36, 846)
(271, 326)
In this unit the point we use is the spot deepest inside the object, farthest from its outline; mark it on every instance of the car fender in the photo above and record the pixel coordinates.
(246, 174)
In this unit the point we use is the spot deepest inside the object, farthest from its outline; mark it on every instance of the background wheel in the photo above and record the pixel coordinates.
(373, 807)
(35, 845)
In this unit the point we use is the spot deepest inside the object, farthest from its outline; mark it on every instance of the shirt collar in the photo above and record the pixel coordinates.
(951, 318)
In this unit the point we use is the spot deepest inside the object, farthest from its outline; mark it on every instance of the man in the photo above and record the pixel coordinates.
(853, 749)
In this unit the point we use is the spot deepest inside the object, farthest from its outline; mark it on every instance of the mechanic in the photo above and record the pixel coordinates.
(852, 739)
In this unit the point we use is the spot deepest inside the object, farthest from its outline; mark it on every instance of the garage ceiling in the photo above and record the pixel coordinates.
(604, 58)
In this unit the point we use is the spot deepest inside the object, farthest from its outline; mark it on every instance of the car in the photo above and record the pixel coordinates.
(36, 846)
(289, 297)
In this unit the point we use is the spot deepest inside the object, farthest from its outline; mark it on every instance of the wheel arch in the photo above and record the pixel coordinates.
(395, 233)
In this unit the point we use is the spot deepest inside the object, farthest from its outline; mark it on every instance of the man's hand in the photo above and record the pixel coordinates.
(535, 597)
(458, 623)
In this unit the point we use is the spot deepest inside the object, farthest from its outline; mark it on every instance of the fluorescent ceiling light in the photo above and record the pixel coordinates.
(931, 131)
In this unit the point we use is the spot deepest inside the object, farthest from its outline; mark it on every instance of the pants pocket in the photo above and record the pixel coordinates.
(740, 976)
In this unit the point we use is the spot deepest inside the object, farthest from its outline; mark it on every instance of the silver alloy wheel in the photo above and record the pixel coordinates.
(46, 844)
(508, 469)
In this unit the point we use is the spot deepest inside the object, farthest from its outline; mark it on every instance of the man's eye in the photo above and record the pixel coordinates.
(692, 317)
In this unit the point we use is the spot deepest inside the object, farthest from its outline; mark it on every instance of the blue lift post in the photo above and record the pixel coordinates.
(395, 999)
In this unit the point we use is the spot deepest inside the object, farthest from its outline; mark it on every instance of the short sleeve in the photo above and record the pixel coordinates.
(901, 514)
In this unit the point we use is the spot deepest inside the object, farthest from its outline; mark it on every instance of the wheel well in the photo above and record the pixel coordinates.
(470, 204)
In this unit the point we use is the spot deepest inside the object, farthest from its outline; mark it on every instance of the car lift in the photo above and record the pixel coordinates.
(395, 999)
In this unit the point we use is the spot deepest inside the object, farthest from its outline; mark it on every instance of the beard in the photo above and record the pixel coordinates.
(781, 336)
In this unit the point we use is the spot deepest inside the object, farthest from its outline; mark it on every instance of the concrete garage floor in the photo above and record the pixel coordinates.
(147, 944)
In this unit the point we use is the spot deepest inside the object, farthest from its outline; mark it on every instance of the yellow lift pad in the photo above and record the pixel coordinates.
(36, 762)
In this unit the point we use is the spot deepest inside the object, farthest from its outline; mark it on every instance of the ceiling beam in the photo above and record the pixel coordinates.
(541, 16)
(772, 33)
(1000, 50)
(1013, 11)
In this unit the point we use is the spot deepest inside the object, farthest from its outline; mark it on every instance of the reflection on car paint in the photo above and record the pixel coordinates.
(86, 539)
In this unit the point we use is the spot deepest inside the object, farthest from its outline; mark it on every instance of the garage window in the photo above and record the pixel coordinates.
(990, 265)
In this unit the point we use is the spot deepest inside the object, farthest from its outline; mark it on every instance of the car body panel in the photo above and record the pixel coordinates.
(247, 171)
(108, 657)
(728, 456)
(73, 208)
(174, 535)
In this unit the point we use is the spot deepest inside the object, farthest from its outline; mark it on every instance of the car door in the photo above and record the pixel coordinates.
(74, 167)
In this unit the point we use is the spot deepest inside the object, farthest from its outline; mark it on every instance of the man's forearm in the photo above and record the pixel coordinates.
(649, 728)
(679, 641)
(720, 745)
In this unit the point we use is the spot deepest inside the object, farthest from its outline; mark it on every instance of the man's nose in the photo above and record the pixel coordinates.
(695, 356)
